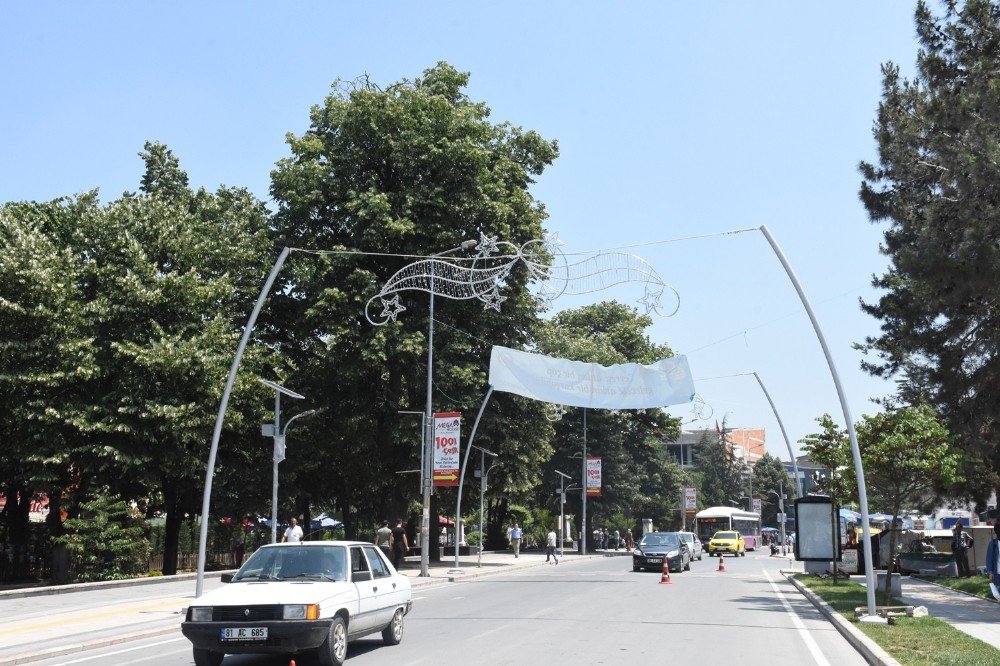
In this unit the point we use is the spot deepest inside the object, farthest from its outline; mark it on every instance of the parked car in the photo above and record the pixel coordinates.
(693, 543)
(295, 598)
(655, 547)
(727, 542)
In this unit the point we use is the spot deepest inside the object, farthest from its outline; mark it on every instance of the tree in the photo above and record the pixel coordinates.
(831, 449)
(906, 454)
(935, 187)
(413, 169)
(107, 542)
(719, 473)
(769, 481)
(639, 480)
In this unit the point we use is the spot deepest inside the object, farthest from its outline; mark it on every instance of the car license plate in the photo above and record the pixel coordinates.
(654, 560)
(243, 634)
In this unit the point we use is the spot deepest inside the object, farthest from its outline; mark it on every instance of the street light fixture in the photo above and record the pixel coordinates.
(428, 452)
(274, 430)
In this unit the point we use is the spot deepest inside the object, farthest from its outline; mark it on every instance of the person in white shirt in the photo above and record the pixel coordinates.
(293, 534)
(550, 546)
(515, 534)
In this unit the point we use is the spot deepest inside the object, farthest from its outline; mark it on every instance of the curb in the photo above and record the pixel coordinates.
(20, 593)
(871, 651)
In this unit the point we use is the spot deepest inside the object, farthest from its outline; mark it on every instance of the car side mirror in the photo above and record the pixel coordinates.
(361, 576)
(227, 578)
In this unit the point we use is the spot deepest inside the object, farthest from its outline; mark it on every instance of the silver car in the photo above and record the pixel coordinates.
(693, 544)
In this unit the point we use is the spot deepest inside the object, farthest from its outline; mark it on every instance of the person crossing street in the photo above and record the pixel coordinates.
(550, 546)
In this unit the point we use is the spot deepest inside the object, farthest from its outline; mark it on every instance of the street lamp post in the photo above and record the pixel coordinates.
(562, 507)
(428, 451)
(781, 512)
(274, 430)
(483, 473)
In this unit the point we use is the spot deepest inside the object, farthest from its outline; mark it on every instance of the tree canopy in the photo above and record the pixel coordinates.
(934, 186)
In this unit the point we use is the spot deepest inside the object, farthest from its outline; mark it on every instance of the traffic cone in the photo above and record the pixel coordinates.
(665, 576)
(722, 563)
(291, 663)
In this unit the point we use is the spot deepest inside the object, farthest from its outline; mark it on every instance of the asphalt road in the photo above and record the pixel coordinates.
(595, 611)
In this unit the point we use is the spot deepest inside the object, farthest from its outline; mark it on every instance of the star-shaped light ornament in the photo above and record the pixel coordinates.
(546, 294)
(392, 307)
(651, 299)
(493, 299)
(487, 245)
(552, 242)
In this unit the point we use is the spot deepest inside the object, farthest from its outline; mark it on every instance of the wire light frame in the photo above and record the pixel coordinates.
(484, 276)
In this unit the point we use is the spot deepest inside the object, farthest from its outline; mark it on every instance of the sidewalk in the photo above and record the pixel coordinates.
(977, 617)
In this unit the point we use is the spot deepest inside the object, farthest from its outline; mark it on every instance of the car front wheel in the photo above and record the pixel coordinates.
(333, 651)
(393, 634)
(207, 658)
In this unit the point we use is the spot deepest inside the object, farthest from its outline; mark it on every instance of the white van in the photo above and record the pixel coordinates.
(693, 544)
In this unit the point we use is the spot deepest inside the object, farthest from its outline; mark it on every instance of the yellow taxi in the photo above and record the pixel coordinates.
(727, 542)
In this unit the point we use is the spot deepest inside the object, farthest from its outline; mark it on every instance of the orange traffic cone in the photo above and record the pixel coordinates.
(665, 576)
(291, 663)
(722, 563)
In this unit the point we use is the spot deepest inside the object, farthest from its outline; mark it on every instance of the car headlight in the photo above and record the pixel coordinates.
(637, 552)
(300, 612)
(673, 553)
(201, 613)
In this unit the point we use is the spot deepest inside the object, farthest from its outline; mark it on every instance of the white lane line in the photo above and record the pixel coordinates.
(797, 621)
(417, 598)
(132, 649)
(186, 651)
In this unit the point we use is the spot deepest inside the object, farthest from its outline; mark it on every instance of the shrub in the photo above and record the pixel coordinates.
(107, 542)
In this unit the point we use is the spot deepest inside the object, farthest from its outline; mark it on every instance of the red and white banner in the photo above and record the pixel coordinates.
(690, 499)
(593, 476)
(447, 438)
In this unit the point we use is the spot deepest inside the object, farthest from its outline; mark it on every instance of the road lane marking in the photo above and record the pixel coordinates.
(797, 621)
(90, 616)
(131, 649)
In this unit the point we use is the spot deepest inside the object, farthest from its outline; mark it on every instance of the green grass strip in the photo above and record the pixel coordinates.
(912, 640)
(977, 585)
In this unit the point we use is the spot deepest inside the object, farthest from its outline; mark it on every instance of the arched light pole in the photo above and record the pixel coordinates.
(855, 450)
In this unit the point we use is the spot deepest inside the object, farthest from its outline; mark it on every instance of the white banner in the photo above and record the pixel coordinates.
(690, 499)
(756, 505)
(578, 384)
(447, 436)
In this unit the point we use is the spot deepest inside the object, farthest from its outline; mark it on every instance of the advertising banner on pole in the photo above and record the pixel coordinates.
(756, 505)
(593, 476)
(447, 438)
(690, 499)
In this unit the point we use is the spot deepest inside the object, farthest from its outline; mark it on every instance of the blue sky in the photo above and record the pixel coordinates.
(673, 120)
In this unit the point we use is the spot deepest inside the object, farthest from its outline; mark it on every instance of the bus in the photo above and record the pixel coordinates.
(713, 519)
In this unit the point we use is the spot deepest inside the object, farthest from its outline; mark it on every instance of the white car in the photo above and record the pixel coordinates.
(294, 598)
(693, 543)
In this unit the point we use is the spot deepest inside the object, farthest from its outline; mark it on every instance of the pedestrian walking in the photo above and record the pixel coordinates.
(398, 544)
(515, 534)
(383, 534)
(960, 543)
(550, 546)
(618, 539)
(628, 540)
(293, 534)
(993, 560)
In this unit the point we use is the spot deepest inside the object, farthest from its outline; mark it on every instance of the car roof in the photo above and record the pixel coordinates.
(308, 544)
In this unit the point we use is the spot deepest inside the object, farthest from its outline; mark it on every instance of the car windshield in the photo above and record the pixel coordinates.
(725, 535)
(295, 561)
(659, 540)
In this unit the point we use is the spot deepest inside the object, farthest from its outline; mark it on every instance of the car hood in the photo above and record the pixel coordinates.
(275, 592)
(657, 550)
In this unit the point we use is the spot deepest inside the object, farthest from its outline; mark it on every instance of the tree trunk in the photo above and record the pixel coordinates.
(892, 557)
(171, 533)
(59, 558)
(303, 510)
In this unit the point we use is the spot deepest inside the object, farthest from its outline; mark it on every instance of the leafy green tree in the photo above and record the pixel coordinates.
(719, 473)
(906, 454)
(831, 449)
(639, 479)
(934, 185)
(769, 481)
(413, 169)
(107, 542)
